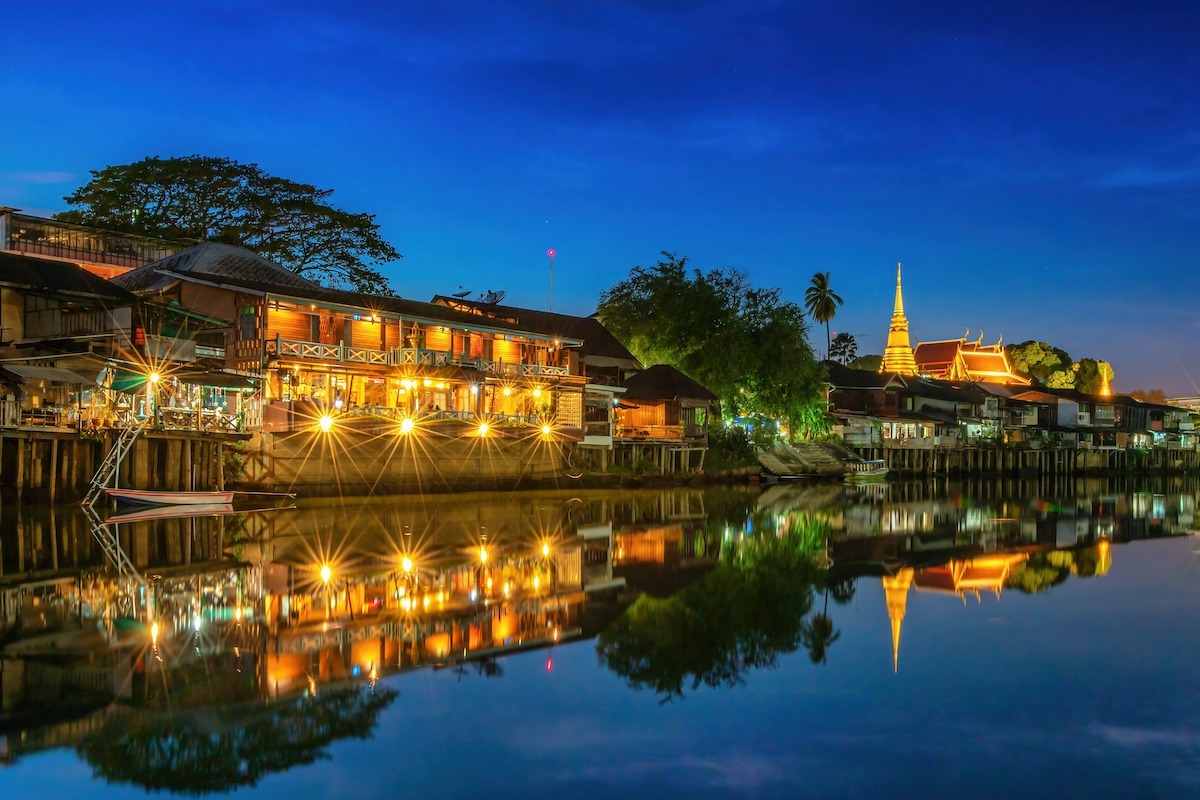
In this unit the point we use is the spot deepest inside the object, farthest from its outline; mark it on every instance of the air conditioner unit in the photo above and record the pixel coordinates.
(1084, 418)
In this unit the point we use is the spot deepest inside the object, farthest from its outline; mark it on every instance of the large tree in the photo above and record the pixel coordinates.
(844, 348)
(218, 199)
(746, 344)
(821, 302)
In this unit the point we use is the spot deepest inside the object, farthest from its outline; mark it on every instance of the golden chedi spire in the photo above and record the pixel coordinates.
(895, 594)
(898, 355)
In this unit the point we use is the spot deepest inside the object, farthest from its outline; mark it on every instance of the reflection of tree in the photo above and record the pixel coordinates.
(817, 633)
(188, 757)
(739, 617)
(1042, 571)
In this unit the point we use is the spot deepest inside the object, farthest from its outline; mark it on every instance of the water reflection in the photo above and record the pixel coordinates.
(287, 621)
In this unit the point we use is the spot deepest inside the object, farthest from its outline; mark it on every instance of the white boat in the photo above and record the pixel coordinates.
(170, 498)
(866, 471)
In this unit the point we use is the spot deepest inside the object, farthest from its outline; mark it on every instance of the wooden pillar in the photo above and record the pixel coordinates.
(53, 467)
(20, 469)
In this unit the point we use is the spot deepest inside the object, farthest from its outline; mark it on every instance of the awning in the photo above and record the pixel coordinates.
(27, 373)
(223, 380)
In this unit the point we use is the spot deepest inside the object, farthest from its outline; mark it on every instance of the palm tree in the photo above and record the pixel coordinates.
(821, 303)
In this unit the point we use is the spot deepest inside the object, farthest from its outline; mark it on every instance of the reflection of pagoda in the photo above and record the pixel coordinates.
(895, 593)
(898, 355)
(958, 577)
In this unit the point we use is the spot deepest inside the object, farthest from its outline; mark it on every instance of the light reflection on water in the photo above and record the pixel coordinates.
(903, 638)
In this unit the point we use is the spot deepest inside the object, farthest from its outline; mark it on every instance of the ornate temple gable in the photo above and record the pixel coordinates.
(963, 360)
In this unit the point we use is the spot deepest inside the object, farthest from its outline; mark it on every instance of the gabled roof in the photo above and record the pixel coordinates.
(600, 348)
(212, 260)
(53, 276)
(936, 354)
(664, 382)
(839, 376)
(943, 390)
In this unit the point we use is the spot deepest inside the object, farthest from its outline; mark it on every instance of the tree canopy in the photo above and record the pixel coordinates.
(746, 344)
(1052, 366)
(844, 348)
(218, 199)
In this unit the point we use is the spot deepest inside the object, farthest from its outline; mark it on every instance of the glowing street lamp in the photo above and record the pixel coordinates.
(483, 429)
(326, 423)
(326, 574)
(406, 425)
(406, 564)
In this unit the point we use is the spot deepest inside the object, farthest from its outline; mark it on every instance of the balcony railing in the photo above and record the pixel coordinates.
(399, 356)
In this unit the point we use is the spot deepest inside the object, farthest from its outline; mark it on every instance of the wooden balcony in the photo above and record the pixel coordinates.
(401, 356)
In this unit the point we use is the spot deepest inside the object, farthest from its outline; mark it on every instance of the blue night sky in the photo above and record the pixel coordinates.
(1034, 164)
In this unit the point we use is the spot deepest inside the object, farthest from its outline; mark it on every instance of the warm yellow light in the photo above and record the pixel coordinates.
(406, 383)
(483, 555)
(545, 549)
(406, 564)
(483, 429)
(154, 633)
(326, 423)
(537, 582)
(326, 573)
(154, 376)
(406, 425)
(427, 382)
(537, 392)
(507, 392)
(441, 385)
(546, 430)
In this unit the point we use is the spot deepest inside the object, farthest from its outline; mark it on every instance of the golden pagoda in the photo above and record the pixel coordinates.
(895, 594)
(898, 355)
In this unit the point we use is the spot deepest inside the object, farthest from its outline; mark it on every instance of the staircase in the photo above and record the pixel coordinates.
(108, 471)
(804, 459)
(111, 465)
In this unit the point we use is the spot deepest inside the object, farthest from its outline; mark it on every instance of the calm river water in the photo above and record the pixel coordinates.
(904, 640)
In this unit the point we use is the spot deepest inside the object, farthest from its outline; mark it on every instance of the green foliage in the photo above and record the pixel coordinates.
(218, 199)
(729, 447)
(821, 302)
(844, 348)
(1037, 360)
(747, 345)
(1061, 379)
(870, 363)
(1092, 375)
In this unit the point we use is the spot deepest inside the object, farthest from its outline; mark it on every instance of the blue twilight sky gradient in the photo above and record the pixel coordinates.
(1035, 165)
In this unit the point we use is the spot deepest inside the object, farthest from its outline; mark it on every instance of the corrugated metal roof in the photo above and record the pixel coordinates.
(29, 372)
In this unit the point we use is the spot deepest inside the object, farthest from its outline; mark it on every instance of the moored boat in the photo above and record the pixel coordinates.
(146, 497)
(866, 471)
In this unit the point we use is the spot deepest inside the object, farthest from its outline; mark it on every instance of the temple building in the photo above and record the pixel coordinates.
(961, 360)
(898, 355)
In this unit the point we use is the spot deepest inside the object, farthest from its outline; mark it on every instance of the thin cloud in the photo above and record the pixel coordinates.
(41, 177)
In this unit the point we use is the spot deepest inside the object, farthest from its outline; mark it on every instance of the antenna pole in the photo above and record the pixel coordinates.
(550, 255)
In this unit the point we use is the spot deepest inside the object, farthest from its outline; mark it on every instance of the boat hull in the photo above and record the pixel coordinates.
(143, 497)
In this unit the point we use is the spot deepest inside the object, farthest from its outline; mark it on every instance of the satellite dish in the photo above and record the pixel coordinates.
(491, 298)
(461, 295)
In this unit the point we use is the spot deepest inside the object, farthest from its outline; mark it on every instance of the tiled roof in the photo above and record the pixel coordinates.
(598, 341)
(664, 382)
(212, 260)
(839, 376)
(936, 354)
